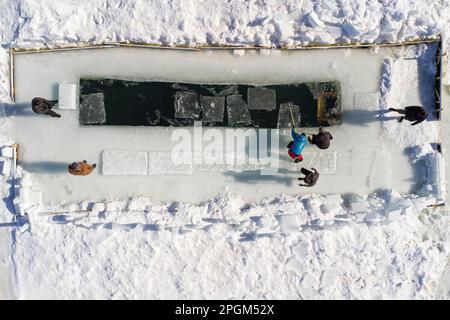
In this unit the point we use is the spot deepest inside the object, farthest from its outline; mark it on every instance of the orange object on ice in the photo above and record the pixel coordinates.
(81, 168)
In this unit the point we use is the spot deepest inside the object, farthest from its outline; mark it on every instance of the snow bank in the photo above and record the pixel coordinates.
(283, 248)
(198, 22)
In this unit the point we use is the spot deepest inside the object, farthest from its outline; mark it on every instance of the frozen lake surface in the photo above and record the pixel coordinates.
(361, 159)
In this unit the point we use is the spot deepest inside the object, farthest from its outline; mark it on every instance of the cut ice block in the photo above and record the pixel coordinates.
(212, 108)
(162, 163)
(324, 161)
(217, 161)
(289, 222)
(373, 217)
(186, 105)
(238, 113)
(284, 115)
(260, 98)
(67, 96)
(7, 152)
(367, 101)
(6, 168)
(295, 265)
(124, 162)
(333, 202)
(394, 214)
(92, 109)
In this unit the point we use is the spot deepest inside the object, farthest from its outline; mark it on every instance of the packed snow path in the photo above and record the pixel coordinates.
(364, 158)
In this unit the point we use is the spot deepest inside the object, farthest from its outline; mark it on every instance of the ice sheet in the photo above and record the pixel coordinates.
(124, 162)
(353, 146)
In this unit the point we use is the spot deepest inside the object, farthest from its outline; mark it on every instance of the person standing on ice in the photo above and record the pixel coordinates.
(43, 106)
(322, 139)
(296, 147)
(310, 177)
(412, 113)
(81, 168)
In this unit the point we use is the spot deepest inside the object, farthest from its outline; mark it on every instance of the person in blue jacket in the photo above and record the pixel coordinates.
(296, 146)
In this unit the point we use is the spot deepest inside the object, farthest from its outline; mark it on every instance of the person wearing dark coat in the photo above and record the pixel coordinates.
(310, 177)
(43, 106)
(412, 113)
(322, 139)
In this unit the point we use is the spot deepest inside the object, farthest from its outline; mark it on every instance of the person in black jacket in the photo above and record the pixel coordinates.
(310, 178)
(43, 106)
(412, 113)
(322, 139)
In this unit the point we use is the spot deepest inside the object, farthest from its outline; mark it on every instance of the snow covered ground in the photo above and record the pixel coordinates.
(279, 247)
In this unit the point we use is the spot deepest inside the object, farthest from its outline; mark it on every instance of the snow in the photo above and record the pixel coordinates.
(140, 248)
(136, 254)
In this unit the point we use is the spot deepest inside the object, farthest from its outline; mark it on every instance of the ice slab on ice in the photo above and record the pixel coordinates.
(284, 115)
(162, 163)
(324, 162)
(186, 105)
(92, 109)
(212, 108)
(217, 161)
(124, 162)
(367, 101)
(260, 98)
(436, 175)
(7, 152)
(238, 113)
(67, 96)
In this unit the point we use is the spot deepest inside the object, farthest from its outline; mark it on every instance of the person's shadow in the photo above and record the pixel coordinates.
(18, 109)
(44, 166)
(363, 117)
(255, 176)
